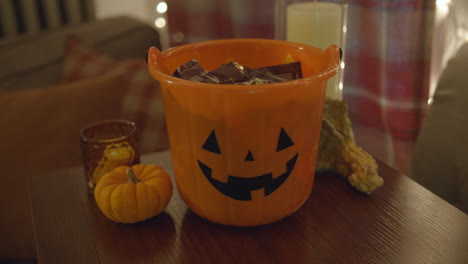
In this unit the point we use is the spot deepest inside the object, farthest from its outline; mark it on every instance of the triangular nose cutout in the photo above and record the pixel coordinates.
(249, 156)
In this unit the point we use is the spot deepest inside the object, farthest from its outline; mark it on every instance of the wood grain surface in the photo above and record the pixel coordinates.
(400, 223)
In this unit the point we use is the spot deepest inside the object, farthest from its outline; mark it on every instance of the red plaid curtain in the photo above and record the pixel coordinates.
(214, 19)
(388, 63)
(388, 51)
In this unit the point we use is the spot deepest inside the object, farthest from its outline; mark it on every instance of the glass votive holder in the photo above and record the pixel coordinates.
(106, 145)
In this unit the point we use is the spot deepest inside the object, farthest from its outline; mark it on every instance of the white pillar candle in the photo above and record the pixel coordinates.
(318, 24)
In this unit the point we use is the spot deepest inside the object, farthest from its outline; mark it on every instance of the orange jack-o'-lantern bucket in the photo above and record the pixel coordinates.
(244, 155)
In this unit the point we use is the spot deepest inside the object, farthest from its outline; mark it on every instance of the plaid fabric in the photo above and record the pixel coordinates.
(387, 53)
(143, 101)
(388, 64)
(197, 20)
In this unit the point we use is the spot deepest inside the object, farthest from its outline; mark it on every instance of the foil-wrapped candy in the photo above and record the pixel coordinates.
(235, 73)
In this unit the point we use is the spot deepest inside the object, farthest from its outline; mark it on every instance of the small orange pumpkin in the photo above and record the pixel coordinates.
(130, 195)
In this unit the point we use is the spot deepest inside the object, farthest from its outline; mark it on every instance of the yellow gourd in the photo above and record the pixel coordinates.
(130, 195)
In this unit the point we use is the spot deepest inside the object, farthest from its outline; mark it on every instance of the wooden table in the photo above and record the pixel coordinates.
(400, 223)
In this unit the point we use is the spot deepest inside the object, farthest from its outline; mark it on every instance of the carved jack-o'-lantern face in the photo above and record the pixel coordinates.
(239, 187)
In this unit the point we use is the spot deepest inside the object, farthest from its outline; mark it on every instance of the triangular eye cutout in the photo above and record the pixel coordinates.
(211, 144)
(284, 141)
(249, 156)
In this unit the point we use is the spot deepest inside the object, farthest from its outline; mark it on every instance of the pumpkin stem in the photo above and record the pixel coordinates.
(132, 176)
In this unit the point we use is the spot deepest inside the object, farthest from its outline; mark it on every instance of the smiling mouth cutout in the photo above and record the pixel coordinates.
(239, 188)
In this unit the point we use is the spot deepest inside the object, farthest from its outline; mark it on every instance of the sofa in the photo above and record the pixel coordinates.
(42, 112)
(440, 161)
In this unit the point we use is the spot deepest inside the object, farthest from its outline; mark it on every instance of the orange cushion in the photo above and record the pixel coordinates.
(41, 132)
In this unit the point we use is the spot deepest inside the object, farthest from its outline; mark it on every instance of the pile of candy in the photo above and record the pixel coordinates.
(234, 73)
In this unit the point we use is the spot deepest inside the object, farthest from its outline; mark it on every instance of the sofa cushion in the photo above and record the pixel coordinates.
(40, 132)
(35, 60)
(142, 102)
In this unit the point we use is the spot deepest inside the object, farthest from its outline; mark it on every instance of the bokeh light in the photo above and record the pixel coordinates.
(160, 22)
(161, 7)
